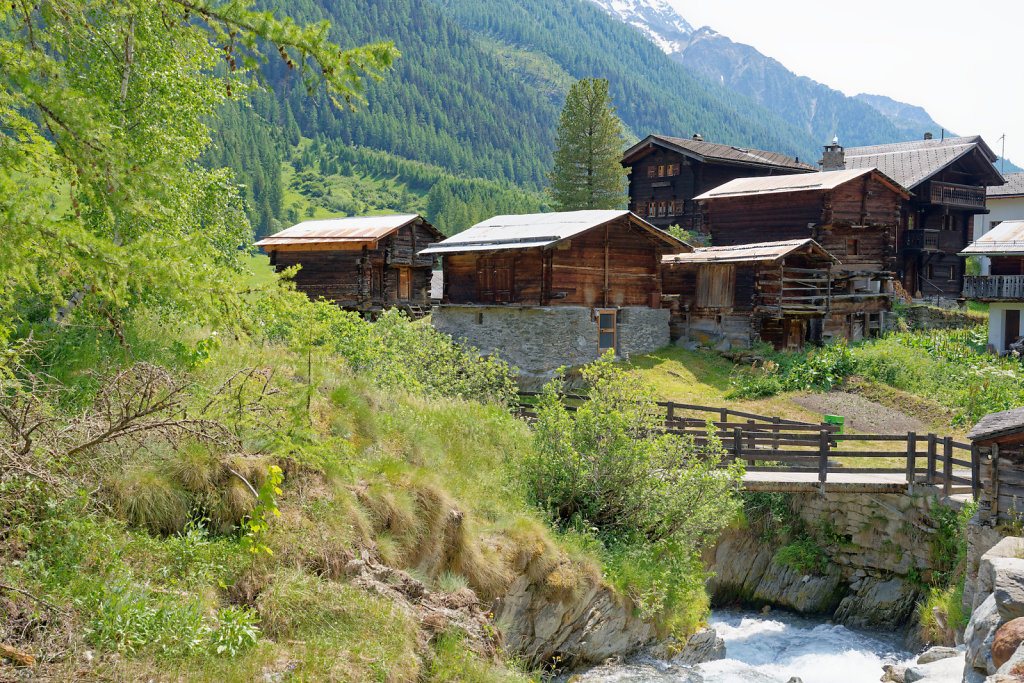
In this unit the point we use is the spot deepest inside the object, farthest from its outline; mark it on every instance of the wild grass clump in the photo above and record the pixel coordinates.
(820, 370)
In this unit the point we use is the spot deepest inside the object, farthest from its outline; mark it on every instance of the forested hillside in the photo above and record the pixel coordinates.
(475, 95)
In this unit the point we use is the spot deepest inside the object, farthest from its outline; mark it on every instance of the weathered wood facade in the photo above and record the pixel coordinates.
(667, 173)
(998, 444)
(853, 215)
(557, 289)
(947, 181)
(365, 264)
(777, 292)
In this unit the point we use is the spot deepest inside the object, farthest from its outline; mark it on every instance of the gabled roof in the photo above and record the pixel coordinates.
(1014, 187)
(804, 182)
(911, 163)
(746, 253)
(533, 230)
(711, 151)
(340, 233)
(1006, 239)
(995, 425)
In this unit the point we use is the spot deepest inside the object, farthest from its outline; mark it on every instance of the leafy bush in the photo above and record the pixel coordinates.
(803, 555)
(821, 370)
(654, 500)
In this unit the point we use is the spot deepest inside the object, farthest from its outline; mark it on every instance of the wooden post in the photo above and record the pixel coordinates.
(995, 483)
(723, 414)
(775, 433)
(929, 478)
(670, 413)
(751, 443)
(911, 459)
(947, 466)
(823, 440)
(975, 471)
(737, 443)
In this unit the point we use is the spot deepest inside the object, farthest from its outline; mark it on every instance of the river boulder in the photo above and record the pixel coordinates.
(1006, 641)
(980, 632)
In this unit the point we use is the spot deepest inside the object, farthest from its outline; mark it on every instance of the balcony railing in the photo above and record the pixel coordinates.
(963, 196)
(927, 240)
(994, 287)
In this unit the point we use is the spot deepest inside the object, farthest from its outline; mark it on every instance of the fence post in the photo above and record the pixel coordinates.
(737, 443)
(930, 476)
(947, 466)
(775, 433)
(723, 414)
(911, 459)
(823, 441)
(670, 413)
(751, 443)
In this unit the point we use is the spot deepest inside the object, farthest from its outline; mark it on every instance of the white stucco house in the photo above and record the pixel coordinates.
(1003, 286)
(1004, 203)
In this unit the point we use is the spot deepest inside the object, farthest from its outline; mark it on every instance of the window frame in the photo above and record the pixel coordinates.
(614, 329)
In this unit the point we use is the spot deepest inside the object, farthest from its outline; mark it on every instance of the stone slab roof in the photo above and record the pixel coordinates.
(713, 151)
(1014, 186)
(804, 182)
(910, 163)
(747, 253)
(995, 425)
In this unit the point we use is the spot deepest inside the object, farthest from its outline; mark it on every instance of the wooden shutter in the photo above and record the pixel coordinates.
(716, 285)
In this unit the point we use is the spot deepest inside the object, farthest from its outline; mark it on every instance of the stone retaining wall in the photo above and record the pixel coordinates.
(931, 318)
(540, 339)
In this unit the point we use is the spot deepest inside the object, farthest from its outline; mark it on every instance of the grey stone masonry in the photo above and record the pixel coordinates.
(540, 339)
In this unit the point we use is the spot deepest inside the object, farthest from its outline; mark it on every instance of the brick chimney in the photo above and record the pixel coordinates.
(834, 158)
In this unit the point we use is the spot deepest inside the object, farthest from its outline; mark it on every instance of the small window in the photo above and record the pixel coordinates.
(652, 210)
(673, 169)
(928, 271)
(606, 330)
(851, 247)
(952, 273)
(661, 171)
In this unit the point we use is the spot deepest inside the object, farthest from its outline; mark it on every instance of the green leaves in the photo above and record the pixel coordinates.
(590, 139)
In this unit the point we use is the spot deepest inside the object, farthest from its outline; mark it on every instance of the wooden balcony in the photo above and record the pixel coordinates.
(960, 196)
(925, 240)
(994, 287)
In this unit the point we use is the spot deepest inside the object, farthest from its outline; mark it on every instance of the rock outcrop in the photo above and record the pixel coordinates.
(996, 630)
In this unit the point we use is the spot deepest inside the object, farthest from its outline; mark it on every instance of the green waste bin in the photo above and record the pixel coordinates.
(837, 420)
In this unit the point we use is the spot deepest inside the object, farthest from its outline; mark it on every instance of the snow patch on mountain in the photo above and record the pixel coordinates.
(656, 19)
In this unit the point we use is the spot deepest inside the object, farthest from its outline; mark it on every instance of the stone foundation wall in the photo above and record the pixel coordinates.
(540, 339)
(931, 318)
(878, 548)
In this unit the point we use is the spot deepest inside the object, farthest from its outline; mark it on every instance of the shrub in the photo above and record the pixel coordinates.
(803, 555)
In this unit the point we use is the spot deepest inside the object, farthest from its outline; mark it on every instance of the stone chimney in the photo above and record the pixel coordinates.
(928, 136)
(834, 158)
(698, 137)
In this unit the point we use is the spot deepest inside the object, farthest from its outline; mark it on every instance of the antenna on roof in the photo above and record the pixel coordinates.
(943, 134)
(1002, 155)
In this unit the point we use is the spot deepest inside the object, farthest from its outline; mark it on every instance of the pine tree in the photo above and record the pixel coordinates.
(589, 143)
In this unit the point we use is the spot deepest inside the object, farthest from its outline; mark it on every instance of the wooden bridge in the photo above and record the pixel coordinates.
(794, 456)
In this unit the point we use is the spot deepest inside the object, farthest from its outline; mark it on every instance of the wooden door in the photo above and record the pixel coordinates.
(404, 293)
(1012, 328)
(792, 334)
(494, 279)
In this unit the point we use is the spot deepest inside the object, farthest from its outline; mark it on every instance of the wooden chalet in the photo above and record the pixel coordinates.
(853, 214)
(778, 292)
(1003, 287)
(947, 180)
(666, 173)
(555, 289)
(365, 264)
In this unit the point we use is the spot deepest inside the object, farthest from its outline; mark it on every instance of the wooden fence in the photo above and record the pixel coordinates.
(776, 445)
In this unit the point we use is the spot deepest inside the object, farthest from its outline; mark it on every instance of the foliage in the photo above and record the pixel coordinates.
(803, 555)
(256, 525)
(587, 173)
(821, 369)
(654, 500)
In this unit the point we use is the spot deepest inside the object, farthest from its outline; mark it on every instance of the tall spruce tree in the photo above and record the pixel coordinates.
(589, 143)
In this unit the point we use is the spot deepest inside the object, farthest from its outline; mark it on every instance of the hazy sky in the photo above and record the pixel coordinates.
(961, 61)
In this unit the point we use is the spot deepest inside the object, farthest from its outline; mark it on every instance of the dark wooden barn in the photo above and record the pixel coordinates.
(998, 439)
(778, 292)
(666, 173)
(555, 289)
(854, 215)
(947, 180)
(366, 264)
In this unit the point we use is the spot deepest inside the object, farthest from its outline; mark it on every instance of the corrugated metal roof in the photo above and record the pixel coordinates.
(759, 251)
(356, 229)
(911, 163)
(535, 230)
(1006, 239)
(727, 153)
(805, 182)
(1014, 186)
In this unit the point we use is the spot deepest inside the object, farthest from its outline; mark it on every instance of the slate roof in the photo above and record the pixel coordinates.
(910, 163)
(1014, 186)
(995, 425)
(1006, 239)
(527, 231)
(804, 182)
(712, 151)
(339, 231)
(745, 253)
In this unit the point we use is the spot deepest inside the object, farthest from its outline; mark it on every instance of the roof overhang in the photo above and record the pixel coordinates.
(756, 252)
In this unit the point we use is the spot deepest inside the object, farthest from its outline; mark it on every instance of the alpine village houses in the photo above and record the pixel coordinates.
(1003, 287)
(365, 264)
(947, 179)
(555, 289)
(852, 215)
(666, 173)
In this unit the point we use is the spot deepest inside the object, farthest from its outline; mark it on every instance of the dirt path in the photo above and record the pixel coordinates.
(861, 414)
